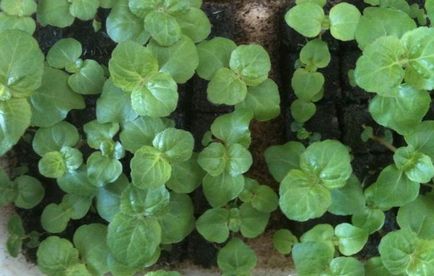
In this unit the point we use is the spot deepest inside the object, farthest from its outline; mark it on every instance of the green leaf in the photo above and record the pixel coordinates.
(351, 239)
(213, 159)
(330, 161)
(379, 22)
(131, 64)
(163, 28)
(315, 53)
(15, 115)
(55, 137)
(55, 13)
(379, 69)
(402, 111)
(214, 54)
(176, 144)
(402, 252)
(392, 189)
(320, 233)
(140, 132)
(179, 60)
(90, 241)
(429, 6)
(108, 198)
(114, 105)
(213, 225)
(157, 98)
(296, 19)
(422, 138)
(263, 100)
(52, 165)
(221, 189)
(133, 240)
(56, 255)
(251, 63)
(236, 258)
(283, 241)
(77, 183)
(302, 111)
(283, 158)
(142, 8)
(311, 258)
(261, 197)
(307, 84)
(302, 197)
(64, 52)
(318, 2)
(8, 189)
(195, 24)
(122, 25)
(226, 87)
(417, 166)
(252, 221)
(347, 266)
(344, 19)
(239, 160)
(16, 234)
(30, 192)
(76, 206)
(144, 202)
(89, 80)
(12, 22)
(19, 8)
(77, 269)
(179, 220)
(54, 218)
(417, 216)
(186, 176)
(233, 128)
(149, 168)
(102, 169)
(374, 266)
(98, 133)
(84, 9)
(369, 219)
(52, 101)
(349, 199)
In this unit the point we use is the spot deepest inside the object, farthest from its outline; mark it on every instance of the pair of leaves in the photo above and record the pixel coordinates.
(87, 76)
(342, 20)
(260, 197)
(283, 241)
(62, 13)
(236, 258)
(17, 15)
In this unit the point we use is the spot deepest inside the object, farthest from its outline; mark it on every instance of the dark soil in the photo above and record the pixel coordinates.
(339, 116)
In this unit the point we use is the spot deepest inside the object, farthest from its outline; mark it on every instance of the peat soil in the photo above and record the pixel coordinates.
(340, 115)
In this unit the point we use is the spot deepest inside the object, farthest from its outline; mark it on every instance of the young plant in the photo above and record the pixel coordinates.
(17, 15)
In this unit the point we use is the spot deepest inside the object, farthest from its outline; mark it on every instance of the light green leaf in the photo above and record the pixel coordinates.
(374, 266)
(379, 22)
(236, 258)
(108, 198)
(283, 241)
(144, 202)
(239, 160)
(133, 240)
(12, 22)
(417, 216)
(102, 169)
(213, 225)
(15, 116)
(140, 132)
(311, 258)
(55, 137)
(131, 64)
(55, 13)
(349, 199)
(149, 168)
(417, 166)
(369, 219)
(157, 98)
(315, 53)
(84, 9)
(195, 24)
(302, 197)
(422, 138)
(283, 158)
(263, 100)
(89, 80)
(347, 266)
(19, 8)
(163, 27)
(55, 218)
(429, 6)
(261, 197)
(251, 63)
(76, 206)
(328, 160)
(52, 101)
(179, 60)
(142, 8)
(55, 255)
(306, 84)
(344, 19)
(179, 221)
(296, 19)
(64, 53)
(214, 54)
(186, 176)
(351, 239)
(98, 133)
(320, 233)
(77, 183)
(221, 189)
(402, 111)
(8, 189)
(176, 144)
(16, 234)
(302, 111)
(233, 128)
(30, 192)
(226, 87)
(252, 221)
(52, 165)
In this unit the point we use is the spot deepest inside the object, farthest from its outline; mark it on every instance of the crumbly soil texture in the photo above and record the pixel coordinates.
(340, 115)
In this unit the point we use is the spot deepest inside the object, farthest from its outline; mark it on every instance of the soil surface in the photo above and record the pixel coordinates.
(340, 115)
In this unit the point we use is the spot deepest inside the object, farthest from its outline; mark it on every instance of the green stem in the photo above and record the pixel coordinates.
(383, 142)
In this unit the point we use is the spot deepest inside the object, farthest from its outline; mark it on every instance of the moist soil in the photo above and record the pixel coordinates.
(340, 115)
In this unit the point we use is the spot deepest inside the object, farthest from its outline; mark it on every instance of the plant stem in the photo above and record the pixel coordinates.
(383, 142)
